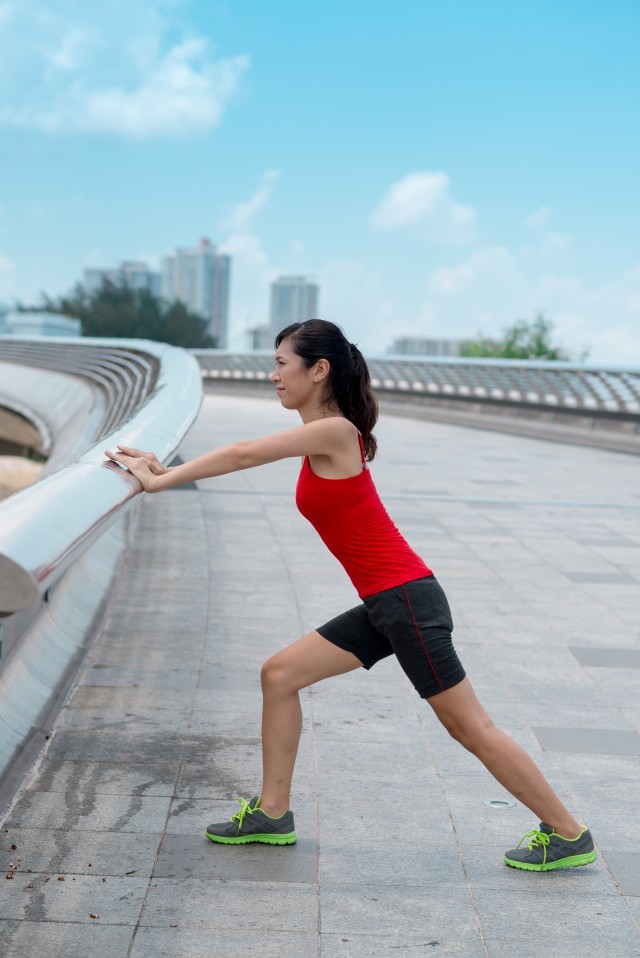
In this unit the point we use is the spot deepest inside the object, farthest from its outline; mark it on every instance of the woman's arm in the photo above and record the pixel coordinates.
(321, 437)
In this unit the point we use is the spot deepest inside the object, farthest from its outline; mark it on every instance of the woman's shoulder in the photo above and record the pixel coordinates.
(332, 435)
(340, 428)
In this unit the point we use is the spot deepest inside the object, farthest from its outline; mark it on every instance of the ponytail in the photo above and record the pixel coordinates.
(349, 380)
(360, 405)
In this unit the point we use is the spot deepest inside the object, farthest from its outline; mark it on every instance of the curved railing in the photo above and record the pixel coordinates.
(568, 387)
(151, 394)
(124, 375)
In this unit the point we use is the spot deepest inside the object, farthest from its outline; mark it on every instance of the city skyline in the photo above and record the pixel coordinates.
(441, 171)
(198, 277)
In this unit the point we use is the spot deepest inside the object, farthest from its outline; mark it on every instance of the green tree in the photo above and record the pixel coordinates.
(117, 310)
(523, 340)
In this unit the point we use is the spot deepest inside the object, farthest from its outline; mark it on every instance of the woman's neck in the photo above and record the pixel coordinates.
(313, 413)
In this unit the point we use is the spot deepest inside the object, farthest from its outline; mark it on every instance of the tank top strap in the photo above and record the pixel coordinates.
(364, 458)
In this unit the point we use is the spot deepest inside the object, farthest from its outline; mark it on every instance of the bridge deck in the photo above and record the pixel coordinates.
(538, 547)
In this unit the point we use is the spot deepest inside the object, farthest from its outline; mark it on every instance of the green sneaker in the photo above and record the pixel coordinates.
(548, 850)
(251, 824)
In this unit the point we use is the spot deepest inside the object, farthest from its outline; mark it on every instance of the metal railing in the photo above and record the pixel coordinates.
(152, 394)
(549, 386)
(62, 538)
(123, 374)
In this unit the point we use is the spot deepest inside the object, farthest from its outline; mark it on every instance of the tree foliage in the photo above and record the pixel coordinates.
(523, 340)
(118, 311)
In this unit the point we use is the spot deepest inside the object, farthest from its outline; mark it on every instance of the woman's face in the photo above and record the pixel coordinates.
(294, 383)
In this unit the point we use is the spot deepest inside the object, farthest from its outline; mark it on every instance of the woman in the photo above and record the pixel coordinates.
(404, 611)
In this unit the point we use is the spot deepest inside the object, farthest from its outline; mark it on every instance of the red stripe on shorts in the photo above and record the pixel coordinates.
(437, 677)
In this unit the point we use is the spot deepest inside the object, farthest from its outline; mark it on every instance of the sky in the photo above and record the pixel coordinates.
(441, 169)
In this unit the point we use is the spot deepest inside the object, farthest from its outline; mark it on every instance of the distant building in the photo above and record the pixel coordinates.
(259, 337)
(94, 277)
(41, 324)
(135, 274)
(139, 276)
(293, 299)
(200, 278)
(421, 346)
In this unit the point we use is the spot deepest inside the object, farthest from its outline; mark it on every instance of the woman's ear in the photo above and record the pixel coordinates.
(321, 370)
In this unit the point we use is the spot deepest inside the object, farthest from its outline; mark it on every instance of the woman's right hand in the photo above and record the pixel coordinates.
(150, 458)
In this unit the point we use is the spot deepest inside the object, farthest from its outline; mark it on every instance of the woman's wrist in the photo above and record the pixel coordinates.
(163, 481)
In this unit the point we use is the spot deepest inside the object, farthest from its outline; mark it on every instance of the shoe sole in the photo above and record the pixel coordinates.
(289, 839)
(572, 862)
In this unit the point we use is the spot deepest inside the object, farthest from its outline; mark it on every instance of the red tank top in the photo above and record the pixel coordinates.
(355, 526)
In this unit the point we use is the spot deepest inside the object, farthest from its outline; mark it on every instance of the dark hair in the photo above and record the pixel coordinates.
(349, 381)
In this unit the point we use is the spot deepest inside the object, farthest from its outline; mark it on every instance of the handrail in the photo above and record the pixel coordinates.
(49, 524)
(121, 371)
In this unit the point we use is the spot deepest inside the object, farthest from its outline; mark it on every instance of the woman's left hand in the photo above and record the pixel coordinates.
(140, 466)
(151, 459)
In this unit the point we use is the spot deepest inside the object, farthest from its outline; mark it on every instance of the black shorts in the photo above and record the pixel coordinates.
(412, 621)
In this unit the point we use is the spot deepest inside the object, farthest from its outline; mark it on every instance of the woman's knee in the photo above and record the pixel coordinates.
(463, 716)
(276, 676)
(472, 733)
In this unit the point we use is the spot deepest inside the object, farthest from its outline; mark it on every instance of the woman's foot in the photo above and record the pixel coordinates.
(251, 824)
(547, 850)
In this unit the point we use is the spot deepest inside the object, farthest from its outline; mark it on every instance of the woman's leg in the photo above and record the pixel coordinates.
(309, 660)
(466, 720)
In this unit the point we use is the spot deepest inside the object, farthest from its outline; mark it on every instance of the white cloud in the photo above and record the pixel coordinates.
(114, 72)
(6, 12)
(251, 274)
(549, 241)
(422, 200)
(70, 51)
(555, 242)
(540, 218)
(180, 96)
(242, 213)
(493, 287)
(252, 271)
(483, 267)
(356, 298)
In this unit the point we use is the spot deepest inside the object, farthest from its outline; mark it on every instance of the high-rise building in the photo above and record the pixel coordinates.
(259, 337)
(94, 277)
(139, 276)
(422, 346)
(220, 305)
(293, 299)
(200, 279)
(134, 274)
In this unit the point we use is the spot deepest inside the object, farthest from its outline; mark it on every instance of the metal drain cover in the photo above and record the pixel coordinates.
(500, 803)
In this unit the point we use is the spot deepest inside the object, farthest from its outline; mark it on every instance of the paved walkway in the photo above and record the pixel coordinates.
(538, 547)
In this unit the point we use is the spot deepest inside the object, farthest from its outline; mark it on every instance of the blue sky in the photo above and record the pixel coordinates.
(441, 169)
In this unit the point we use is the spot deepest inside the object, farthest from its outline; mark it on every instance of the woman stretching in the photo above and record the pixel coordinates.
(404, 611)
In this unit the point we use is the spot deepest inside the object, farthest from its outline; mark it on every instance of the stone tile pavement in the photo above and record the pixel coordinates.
(538, 547)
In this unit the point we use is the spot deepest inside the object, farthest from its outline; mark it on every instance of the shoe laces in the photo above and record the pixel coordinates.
(537, 838)
(245, 809)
